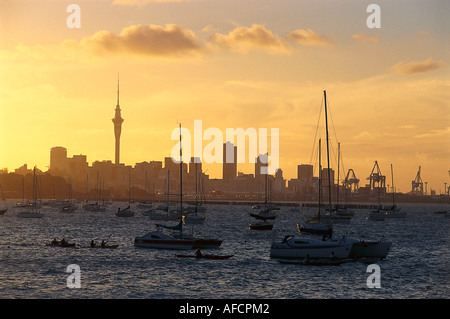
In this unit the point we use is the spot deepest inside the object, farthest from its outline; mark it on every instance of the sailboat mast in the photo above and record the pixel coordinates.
(337, 190)
(320, 174)
(328, 152)
(181, 182)
(393, 189)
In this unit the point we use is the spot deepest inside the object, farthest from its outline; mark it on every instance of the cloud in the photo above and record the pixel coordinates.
(149, 40)
(407, 126)
(417, 67)
(435, 133)
(257, 37)
(361, 37)
(308, 37)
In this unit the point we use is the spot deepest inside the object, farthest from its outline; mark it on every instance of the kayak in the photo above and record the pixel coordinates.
(61, 245)
(205, 256)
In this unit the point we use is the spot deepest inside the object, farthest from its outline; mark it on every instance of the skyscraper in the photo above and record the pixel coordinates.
(117, 120)
(229, 169)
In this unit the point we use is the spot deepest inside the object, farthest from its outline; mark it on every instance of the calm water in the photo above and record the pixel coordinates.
(416, 267)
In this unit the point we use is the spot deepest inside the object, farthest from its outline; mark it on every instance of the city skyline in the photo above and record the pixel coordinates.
(262, 66)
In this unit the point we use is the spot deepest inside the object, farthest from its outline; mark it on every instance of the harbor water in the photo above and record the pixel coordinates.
(417, 265)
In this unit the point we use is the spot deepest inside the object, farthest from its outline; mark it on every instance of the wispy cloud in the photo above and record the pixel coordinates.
(435, 133)
(361, 37)
(308, 37)
(257, 37)
(417, 67)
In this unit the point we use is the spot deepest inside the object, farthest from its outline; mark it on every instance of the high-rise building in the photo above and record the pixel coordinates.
(305, 172)
(117, 120)
(229, 161)
(58, 159)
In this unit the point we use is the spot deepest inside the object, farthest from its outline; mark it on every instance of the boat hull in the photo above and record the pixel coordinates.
(261, 226)
(363, 249)
(298, 248)
(30, 215)
(177, 244)
(216, 257)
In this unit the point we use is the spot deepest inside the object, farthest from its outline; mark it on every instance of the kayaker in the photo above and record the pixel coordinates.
(63, 241)
(54, 242)
(198, 253)
(103, 244)
(92, 243)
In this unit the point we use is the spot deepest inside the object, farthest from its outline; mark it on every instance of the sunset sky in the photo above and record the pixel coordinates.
(232, 64)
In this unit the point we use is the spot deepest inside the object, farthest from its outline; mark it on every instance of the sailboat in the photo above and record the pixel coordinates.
(69, 207)
(3, 210)
(157, 239)
(394, 211)
(301, 247)
(192, 217)
(32, 213)
(343, 248)
(93, 207)
(127, 212)
(342, 214)
(267, 213)
(163, 212)
(317, 224)
(146, 203)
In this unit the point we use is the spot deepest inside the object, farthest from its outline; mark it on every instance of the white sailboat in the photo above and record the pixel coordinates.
(394, 211)
(268, 212)
(92, 207)
(69, 207)
(32, 213)
(157, 239)
(163, 212)
(192, 216)
(127, 212)
(300, 247)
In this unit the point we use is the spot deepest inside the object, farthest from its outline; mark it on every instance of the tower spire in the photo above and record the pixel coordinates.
(117, 120)
(118, 89)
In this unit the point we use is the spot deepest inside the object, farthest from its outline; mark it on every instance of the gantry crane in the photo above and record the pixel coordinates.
(417, 184)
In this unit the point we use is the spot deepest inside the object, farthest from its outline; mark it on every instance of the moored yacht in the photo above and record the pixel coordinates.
(299, 247)
(159, 240)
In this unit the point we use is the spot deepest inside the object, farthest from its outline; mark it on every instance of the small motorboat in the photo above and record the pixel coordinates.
(206, 256)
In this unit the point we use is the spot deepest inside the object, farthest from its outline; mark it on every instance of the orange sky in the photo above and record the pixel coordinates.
(248, 64)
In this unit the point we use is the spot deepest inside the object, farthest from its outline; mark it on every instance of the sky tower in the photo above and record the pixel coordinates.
(117, 120)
